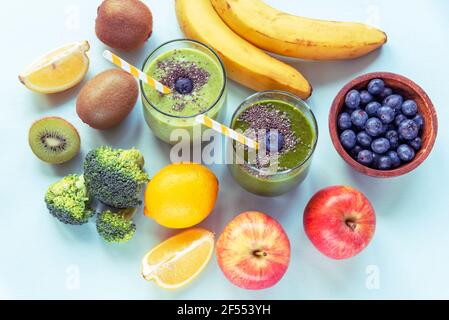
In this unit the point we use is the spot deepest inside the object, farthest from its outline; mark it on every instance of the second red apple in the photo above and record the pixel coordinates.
(340, 221)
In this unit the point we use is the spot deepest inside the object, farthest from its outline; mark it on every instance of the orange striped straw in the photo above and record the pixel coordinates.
(228, 132)
(119, 62)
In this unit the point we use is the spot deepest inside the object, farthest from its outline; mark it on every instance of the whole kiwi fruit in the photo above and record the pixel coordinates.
(107, 99)
(54, 140)
(124, 24)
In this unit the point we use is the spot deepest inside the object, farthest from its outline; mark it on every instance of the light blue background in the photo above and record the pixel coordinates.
(409, 251)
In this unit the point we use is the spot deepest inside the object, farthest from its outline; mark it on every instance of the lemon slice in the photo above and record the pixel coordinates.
(58, 70)
(179, 260)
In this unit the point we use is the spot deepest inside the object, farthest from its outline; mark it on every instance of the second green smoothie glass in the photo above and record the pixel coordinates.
(160, 118)
(257, 181)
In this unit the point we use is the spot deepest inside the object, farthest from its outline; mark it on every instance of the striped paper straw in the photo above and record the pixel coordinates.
(119, 62)
(208, 122)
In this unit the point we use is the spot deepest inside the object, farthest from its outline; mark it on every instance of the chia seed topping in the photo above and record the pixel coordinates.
(263, 118)
(171, 70)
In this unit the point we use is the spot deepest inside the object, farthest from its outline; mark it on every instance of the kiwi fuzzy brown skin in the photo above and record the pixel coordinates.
(107, 99)
(65, 140)
(124, 24)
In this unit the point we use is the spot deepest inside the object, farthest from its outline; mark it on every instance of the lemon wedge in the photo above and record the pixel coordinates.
(179, 260)
(58, 70)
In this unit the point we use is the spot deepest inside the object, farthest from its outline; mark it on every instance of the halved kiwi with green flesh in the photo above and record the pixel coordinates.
(54, 140)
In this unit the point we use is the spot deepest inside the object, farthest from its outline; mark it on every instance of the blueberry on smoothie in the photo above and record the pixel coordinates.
(359, 117)
(344, 121)
(380, 145)
(408, 130)
(348, 139)
(373, 127)
(409, 108)
(184, 85)
(372, 107)
(364, 139)
(376, 86)
(386, 114)
(275, 141)
(406, 153)
(353, 99)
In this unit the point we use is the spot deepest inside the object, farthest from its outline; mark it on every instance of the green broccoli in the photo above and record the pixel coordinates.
(68, 200)
(115, 177)
(116, 227)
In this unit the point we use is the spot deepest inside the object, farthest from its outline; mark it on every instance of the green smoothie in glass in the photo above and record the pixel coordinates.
(197, 78)
(287, 133)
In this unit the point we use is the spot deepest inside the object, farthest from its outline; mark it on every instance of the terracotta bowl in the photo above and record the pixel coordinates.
(409, 90)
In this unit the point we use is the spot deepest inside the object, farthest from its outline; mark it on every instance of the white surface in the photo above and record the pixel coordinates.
(40, 257)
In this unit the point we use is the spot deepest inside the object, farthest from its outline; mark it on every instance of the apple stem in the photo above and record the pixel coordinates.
(351, 224)
(260, 253)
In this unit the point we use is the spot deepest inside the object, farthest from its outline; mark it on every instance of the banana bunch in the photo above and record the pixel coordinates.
(239, 29)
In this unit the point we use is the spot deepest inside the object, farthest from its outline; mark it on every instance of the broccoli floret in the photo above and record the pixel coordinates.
(116, 227)
(68, 200)
(115, 177)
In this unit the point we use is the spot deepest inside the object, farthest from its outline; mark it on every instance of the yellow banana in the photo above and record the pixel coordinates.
(244, 62)
(298, 37)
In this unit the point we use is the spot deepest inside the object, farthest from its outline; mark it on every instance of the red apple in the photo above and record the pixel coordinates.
(254, 251)
(340, 221)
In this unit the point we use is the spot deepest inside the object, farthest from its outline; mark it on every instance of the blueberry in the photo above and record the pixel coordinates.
(366, 97)
(365, 157)
(353, 99)
(395, 161)
(275, 141)
(344, 121)
(359, 117)
(380, 145)
(394, 101)
(408, 129)
(393, 137)
(386, 114)
(376, 86)
(364, 139)
(399, 118)
(373, 127)
(385, 93)
(419, 120)
(406, 153)
(409, 108)
(376, 158)
(355, 151)
(184, 85)
(348, 139)
(416, 143)
(372, 107)
(384, 163)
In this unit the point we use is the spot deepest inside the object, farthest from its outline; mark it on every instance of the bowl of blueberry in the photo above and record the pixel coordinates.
(383, 124)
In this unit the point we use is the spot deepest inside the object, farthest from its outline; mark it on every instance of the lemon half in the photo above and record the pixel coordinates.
(58, 70)
(179, 260)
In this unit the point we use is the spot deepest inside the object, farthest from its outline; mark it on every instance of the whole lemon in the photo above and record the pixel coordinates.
(181, 195)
